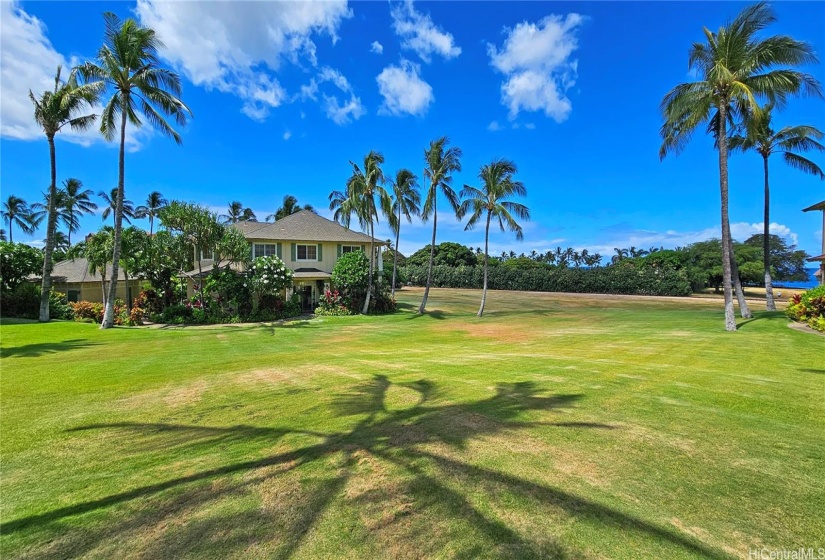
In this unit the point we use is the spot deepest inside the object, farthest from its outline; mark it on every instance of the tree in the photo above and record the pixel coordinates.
(734, 66)
(237, 213)
(76, 203)
(17, 262)
(405, 202)
(760, 137)
(446, 253)
(134, 246)
(127, 209)
(490, 202)
(363, 187)
(98, 253)
(441, 163)
(154, 202)
(289, 206)
(53, 110)
(16, 212)
(128, 65)
(786, 261)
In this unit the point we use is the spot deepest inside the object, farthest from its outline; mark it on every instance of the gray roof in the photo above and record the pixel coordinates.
(303, 226)
(77, 270)
(310, 273)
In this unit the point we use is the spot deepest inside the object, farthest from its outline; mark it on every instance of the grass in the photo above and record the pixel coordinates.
(556, 426)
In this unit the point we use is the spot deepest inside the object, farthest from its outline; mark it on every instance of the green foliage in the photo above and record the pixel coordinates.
(809, 307)
(268, 275)
(332, 303)
(606, 280)
(351, 274)
(229, 291)
(787, 263)
(87, 311)
(24, 302)
(59, 307)
(17, 261)
(446, 254)
(521, 263)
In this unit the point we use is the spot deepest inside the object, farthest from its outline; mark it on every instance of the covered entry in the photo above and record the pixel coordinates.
(309, 285)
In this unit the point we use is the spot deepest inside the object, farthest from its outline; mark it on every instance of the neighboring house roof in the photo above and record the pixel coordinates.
(818, 258)
(77, 270)
(303, 226)
(817, 206)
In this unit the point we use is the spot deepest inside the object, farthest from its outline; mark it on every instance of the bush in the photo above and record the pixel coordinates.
(87, 311)
(23, 301)
(332, 304)
(17, 261)
(809, 307)
(59, 308)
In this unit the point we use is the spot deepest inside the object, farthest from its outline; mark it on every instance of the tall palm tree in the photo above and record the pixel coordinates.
(97, 251)
(128, 65)
(151, 208)
(237, 213)
(16, 212)
(53, 110)
(127, 209)
(2, 235)
(76, 203)
(490, 202)
(734, 66)
(441, 162)
(288, 206)
(761, 138)
(405, 202)
(343, 203)
(364, 186)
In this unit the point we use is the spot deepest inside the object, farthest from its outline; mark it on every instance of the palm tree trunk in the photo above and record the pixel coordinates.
(51, 222)
(109, 312)
(770, 304)
(11, 227)
(432, 257)
(744, 310)
(730, 317)
(395, 252)
(486, 248)
(71, 221)
(200, 281)
(366, 308)
(151, 223)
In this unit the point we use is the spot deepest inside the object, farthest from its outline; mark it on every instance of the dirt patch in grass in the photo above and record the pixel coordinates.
(186, 395)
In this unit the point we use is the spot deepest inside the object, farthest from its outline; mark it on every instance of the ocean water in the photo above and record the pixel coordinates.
(811, 282)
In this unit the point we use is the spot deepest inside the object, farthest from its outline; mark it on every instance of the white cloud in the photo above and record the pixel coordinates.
(537, 64)
(376, 47)
(418, 33)
(341, 112)
(237, 50)
(530, 126)
(287, 135)
(403, 90)
(494, 126)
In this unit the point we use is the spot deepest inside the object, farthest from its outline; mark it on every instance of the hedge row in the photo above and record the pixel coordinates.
(603, 280)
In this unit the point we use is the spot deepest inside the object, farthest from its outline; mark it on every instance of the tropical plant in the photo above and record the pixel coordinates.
(98, 253)
(288, 206)
(236, 212)
(17, 262)
(127, 209)
(759, 136)
(76, 203)
(490, 202)
(16, 212)
(151, 208)
(734, 67)
(405, 202)
(134, 246)
(128, 65)
(441, 162)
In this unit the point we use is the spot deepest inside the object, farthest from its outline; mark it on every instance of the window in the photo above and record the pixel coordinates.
(350, 248)
(73, 295)
(264, 250)
(306, 252)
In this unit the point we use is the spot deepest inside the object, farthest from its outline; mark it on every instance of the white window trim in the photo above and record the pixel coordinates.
(255, 245)
(307, 245)
(352, 248)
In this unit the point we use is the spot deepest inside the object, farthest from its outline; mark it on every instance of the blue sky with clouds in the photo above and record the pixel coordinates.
(284, 95)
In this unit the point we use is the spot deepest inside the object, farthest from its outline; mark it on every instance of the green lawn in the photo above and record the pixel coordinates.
(556, 426)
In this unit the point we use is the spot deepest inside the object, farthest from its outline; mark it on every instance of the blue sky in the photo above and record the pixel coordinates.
(284, 95)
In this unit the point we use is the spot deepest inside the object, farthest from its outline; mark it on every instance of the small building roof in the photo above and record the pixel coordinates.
(818, 258)
(303, 226)
(310, 273)
(817, 206)
(76, 270)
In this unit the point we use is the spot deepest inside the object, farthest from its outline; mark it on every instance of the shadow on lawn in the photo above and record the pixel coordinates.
(41, 348)
(393, 468)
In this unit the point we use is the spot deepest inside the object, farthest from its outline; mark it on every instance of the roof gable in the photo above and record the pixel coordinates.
(302, 226)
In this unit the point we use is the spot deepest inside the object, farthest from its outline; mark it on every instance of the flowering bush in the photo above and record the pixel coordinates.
(268, 275)
(332, 304)
(87, 311)
(809, 308)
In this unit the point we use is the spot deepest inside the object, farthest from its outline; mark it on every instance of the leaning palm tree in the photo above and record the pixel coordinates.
(735, 67)
(364, 186)
(490, 202)
(288, 207)
(128, 65)
(760, 137)
(405, 202)
(127, 209)
(76, 203)
(441, 163)
(16, 212)
(154, 202)
(53, 110)
(236, 212)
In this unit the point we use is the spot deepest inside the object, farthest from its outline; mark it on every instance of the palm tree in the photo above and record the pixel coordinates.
(128, 65)
(154, 202)
(405, 201)
(76, 202)
(237, 213)
(490, 202)
(734, 66)
(127, 209)
(441, 163)
(621, 254)
(16, 212)
(53, 110)
(2, 235)
(760, 137)
(289, 206)
(363, 187)
(97, 251)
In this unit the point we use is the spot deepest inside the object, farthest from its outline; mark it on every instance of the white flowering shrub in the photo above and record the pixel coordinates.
(268, 275)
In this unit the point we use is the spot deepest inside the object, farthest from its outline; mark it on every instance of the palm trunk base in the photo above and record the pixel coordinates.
(770, 303)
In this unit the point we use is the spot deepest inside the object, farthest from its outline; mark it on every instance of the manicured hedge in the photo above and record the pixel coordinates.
(603, 280)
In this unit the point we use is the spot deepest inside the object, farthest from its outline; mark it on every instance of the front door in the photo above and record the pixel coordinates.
(307, 299)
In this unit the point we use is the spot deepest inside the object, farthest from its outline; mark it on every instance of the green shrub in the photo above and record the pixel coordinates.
(809, 307)
(17, 261)
(23, 301)
(59, 307)
(87, 311)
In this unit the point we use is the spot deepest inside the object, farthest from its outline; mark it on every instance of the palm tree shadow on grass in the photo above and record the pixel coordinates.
(434, 485)
(41, 348)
